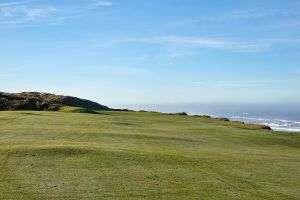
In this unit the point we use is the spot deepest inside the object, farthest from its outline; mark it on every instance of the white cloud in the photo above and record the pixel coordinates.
(102, 3)
(259, 13)
(6, 11)
(253, 13)
(245, 83)
(118, 70)
(254, 83)
(198, 42)
(39, 11)
(2, 5)
(5, 75)
(198, 84)
(22, 12)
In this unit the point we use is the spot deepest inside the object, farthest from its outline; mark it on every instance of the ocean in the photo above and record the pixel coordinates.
(275, 124)
(279, 116)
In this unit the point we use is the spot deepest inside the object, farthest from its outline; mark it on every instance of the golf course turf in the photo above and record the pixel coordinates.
(143, 155)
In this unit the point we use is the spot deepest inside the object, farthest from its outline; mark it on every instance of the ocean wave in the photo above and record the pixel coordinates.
(275, 124)
(287, 129)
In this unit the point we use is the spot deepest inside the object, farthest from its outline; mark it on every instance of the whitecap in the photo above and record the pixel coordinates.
(275, 124)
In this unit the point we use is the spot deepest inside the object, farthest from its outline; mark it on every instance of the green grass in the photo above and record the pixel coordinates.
(127, 155)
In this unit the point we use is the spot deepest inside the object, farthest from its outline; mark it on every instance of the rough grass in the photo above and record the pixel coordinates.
(127, 155)
(77, 110)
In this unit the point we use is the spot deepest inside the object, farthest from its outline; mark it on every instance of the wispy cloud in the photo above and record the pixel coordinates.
(253, 13)
(198, 84)
(5, 75)
(118, 70)
(39, 11)
(8, 4)
(198, 42)
(253, 83)
(259, 13)
(103, 3)
(22, 12)
(245, 83)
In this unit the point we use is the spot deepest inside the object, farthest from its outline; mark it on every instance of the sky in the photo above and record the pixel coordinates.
(152, 51)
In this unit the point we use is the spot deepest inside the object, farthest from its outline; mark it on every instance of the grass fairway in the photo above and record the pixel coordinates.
(127, 155)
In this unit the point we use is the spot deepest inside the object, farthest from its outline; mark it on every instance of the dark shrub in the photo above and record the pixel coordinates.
(224, 119)
(142, 111)
(25, 105)
(44, 106)
(181, 113)
(266, 127)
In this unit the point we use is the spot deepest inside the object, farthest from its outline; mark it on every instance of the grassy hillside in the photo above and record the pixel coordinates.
(128, 155)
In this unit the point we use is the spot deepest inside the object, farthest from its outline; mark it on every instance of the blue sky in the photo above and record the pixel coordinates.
(146, 52)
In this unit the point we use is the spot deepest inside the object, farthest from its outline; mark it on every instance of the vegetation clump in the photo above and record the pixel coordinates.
(265, 127)
(182, 113)
(203, 116)
(224, 119)
(43, 101)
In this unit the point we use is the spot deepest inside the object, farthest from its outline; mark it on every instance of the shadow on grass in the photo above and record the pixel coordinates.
(81, 110)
